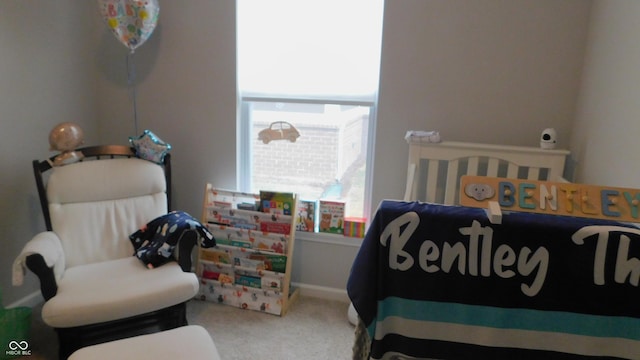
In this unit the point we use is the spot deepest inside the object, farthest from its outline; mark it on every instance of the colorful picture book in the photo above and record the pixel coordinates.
(306, 215)
(232, 199)
(249, 220)
(355, 227)
(281, 203)
(331, 216)
(248, 239)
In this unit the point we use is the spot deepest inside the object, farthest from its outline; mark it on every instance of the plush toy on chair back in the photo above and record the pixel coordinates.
(95, 289)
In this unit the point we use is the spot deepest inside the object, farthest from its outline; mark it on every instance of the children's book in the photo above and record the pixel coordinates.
(331, 216)
(306, 215)
(275, 227)
(273, 202)
(232, 199)
(355, 227)
(216, 256)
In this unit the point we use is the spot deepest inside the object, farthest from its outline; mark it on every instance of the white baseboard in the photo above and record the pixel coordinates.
(30, 300)
(322, 292)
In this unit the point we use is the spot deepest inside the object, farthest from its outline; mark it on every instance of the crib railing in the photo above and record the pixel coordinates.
(435, 169)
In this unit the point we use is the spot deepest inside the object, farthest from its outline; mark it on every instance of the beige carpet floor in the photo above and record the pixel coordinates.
(312, 329)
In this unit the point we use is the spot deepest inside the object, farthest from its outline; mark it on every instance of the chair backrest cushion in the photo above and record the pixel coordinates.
(95, 206)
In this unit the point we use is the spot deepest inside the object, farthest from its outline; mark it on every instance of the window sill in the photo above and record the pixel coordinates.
(332, 239)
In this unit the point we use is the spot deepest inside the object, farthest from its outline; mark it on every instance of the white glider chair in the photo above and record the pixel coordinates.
(95, 290)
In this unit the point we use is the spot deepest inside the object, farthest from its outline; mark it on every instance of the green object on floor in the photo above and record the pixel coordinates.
(15, 324)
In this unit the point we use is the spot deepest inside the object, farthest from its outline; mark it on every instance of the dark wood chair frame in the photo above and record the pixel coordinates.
(71, 339)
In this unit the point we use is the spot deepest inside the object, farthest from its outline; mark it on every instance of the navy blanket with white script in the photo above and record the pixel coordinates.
(433, 281)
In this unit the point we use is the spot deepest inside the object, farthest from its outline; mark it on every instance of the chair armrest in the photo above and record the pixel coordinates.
(48, 283)
(185, 250)
(43, 255)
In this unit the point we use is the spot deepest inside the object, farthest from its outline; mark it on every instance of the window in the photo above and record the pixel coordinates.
(308, 77)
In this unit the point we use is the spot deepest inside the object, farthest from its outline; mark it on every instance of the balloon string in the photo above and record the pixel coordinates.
(131, 81)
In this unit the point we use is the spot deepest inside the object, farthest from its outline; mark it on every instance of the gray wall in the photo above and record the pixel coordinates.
(493, 71)
(45, 78)
(604, 138)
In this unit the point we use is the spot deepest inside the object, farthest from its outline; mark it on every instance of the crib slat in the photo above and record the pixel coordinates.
(451, 187)
(492, 167)
(534, 173)
(432, 181)
(512, 171)
(410, 187)
(472, 166)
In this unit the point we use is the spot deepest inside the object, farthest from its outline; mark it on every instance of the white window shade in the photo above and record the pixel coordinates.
(310, 49)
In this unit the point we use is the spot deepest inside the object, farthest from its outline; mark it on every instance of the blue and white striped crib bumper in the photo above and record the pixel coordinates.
(433, 281)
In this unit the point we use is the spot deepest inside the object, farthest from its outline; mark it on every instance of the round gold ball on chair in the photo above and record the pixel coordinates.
(66, 137)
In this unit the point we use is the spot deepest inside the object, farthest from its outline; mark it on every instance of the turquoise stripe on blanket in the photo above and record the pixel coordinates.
(506, 318)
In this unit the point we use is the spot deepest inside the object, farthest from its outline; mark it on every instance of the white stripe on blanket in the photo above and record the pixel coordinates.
(495, 337)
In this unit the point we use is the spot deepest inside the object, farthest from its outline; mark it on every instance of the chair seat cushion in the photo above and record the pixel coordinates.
(99, 292)
(187, 342)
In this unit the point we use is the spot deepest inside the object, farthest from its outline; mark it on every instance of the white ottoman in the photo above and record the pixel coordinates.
(186, 342)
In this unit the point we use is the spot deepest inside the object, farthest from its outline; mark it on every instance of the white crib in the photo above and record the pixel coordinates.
(435, 169)
(434, 173)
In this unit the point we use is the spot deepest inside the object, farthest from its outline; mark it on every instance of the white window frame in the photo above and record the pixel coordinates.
(245, 151)
(311, 18)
